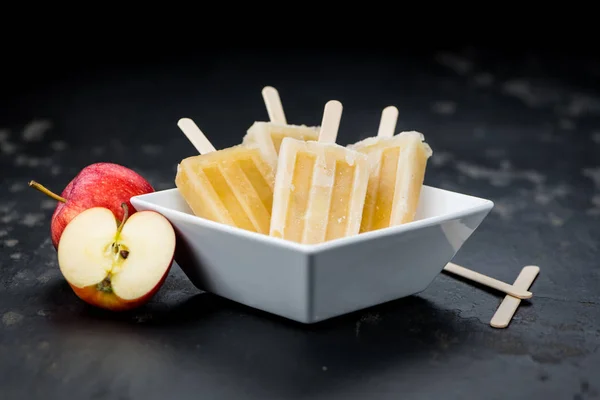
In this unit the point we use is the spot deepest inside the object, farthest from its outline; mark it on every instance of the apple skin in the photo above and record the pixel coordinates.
(97, 185)
(112, 302)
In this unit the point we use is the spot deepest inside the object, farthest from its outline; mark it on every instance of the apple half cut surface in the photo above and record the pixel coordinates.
(112, 265)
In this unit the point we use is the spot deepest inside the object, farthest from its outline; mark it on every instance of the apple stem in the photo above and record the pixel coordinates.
(125, 216)
(47, 192)
(120, 228)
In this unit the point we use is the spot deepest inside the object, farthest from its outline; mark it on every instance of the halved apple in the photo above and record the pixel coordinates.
(116, 266)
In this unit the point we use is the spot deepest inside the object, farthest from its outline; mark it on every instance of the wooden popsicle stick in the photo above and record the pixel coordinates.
(195, 135)
(387, 125)
(273, 104)
(509, 305)
(331, 121)
(488, 281)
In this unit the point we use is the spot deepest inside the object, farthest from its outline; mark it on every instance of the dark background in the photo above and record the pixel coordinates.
(516, 122)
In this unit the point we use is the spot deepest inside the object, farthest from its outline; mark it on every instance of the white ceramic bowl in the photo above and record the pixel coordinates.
(311, 283)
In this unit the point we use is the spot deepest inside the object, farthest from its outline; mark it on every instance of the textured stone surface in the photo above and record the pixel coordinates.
(523, 132)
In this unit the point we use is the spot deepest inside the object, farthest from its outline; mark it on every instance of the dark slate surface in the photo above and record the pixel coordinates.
(522, 131)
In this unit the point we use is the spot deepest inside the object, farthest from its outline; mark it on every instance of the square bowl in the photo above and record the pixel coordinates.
(312, 283)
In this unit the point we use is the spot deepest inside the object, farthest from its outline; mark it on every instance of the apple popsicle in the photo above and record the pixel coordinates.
(320, 186)
(269, 135)
(397, 166)
(233, 186)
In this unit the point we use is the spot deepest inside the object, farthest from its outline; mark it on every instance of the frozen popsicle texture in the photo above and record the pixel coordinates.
(320, 186)
(233, 186)
(319, 192)
(397, 169)
(269, 135)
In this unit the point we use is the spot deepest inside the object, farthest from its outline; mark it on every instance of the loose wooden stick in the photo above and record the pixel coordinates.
(387, 125)
(331, 121)
(509, 305)
(273, 104)
(518, 292)
(195, 135)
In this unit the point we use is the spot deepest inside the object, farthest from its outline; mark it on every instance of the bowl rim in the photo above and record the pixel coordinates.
(485, 205)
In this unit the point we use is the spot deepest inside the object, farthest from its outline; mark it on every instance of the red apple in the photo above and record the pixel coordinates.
(116, 267)
(97, 185)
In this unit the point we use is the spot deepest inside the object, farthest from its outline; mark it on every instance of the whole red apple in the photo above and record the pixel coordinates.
(97, 185)
(116, 266)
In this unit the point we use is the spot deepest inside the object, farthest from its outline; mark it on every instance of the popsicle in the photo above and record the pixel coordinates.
(320, 186)
(233, 186)
(268, 135)
(397, 169)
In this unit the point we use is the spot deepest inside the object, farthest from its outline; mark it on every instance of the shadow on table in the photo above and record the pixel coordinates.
(281, 358)
(262, 353)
